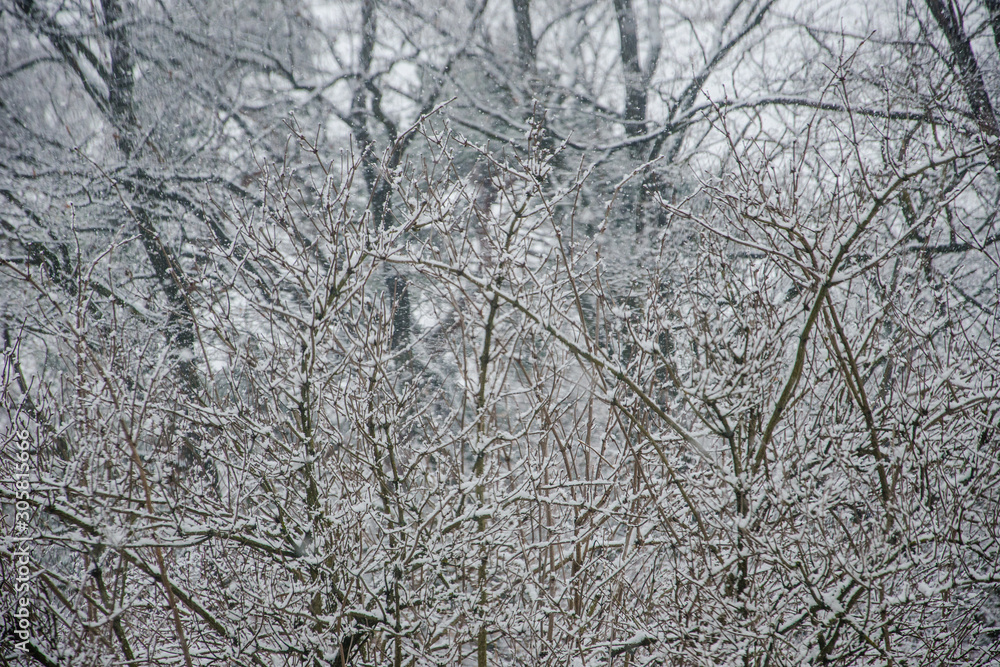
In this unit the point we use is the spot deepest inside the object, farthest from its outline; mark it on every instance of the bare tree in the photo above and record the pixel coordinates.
(412, 394)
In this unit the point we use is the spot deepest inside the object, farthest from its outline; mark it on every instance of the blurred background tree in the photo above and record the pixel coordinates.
(504, 332)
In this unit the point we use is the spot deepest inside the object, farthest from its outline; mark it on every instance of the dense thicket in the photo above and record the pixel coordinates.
(487, 332)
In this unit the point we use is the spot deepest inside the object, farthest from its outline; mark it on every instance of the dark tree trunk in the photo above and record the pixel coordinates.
(969, 74)
(635, 85)
(525, 40)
